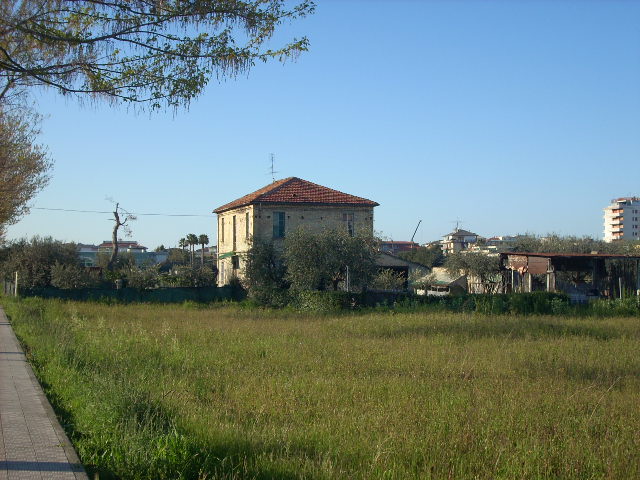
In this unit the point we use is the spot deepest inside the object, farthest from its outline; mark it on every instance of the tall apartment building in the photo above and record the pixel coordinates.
(622, 219)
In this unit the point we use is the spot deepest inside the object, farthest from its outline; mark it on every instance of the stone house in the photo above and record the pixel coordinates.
(281, 207)
(457, 241)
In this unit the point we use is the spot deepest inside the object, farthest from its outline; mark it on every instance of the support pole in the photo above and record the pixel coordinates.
(620, 287)
(551, 277)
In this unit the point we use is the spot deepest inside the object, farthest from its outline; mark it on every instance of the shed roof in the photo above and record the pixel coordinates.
(569, 255)
(294, 190)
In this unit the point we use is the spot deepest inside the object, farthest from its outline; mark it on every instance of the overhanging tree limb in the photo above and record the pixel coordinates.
(172, 47)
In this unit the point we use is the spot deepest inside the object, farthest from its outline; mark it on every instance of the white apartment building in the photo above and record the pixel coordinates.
(622, 219)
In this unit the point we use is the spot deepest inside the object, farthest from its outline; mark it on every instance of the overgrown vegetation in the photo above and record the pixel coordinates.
(430, 256)
(171, 392)
(327, 260)
(45, 262)
(572, 244)
(35, 259)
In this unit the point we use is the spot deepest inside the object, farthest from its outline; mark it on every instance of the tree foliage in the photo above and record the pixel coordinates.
(161, 53)
(431, 256)
(34, 260)
(264, 274)
(320, 261)
(23, 165)
(479, 268)
(388, 279)
(73, 276)
(553, 243)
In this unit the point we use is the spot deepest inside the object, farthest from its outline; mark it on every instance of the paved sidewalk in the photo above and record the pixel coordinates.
(32, 442)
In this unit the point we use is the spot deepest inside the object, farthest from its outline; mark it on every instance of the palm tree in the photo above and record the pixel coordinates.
(193, 241)
(203, 240)
(182, 243)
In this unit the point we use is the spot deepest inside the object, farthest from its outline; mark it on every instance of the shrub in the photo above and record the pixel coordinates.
(324, 301)
(73, 276)
(186, 276)
(388, 279)
(34, 259)
(143, 278)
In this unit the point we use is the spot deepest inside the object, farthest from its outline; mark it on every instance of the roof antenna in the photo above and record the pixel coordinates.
(272, 170)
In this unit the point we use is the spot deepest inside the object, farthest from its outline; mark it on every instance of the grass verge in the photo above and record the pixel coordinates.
(171, 392)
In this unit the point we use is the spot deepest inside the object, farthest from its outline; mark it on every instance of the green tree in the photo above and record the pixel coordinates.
(69, 276)
(264, 274)
(387, 279)
(177, 256)
(186, 276)
(202, 240)
(143, 278)
(34, 259)
(553, 243)
(23, 165)
(161, 53)
(479, 268)
(321, 261)
(124, 261)
(431, 256)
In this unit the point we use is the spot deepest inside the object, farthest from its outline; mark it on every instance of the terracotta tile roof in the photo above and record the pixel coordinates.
(296, 190)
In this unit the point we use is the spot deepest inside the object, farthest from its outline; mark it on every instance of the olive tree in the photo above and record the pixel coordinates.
(323, 261)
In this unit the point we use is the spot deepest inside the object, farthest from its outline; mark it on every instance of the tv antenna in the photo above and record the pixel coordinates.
(457, 221)
(272, 170)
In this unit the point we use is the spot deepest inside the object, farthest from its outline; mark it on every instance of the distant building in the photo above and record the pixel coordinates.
(622, 219)
(89, 253)
(440, 282)
(282, 207)
(395, 247)
(457, 241)
(123, 246)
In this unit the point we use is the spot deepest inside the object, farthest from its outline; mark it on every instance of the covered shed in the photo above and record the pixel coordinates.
(387, 261)
(579, 274)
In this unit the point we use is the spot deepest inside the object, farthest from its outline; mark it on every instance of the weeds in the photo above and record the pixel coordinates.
(184, 392)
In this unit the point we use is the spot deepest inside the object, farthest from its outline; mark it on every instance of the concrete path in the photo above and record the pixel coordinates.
(32, 442)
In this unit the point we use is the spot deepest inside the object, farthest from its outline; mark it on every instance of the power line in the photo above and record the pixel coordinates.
(132, 213)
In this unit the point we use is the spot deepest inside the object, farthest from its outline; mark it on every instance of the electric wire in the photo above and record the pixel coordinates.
(130, 213)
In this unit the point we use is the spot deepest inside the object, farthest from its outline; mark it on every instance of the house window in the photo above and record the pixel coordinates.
(222, 229)
(246, 225)
(234, 233)
(235, 262)
(347, 218)
(278, 224)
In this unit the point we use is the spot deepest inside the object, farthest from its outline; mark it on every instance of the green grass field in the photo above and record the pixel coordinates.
(152, 391)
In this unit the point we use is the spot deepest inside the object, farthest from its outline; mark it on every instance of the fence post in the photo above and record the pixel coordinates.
(15, 286)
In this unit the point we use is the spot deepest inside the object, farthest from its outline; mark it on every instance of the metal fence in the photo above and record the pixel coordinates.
(126, 295)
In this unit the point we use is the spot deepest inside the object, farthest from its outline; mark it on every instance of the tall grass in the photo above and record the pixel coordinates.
(152, 392)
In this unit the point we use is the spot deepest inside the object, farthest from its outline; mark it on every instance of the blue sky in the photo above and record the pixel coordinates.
(509, 117)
